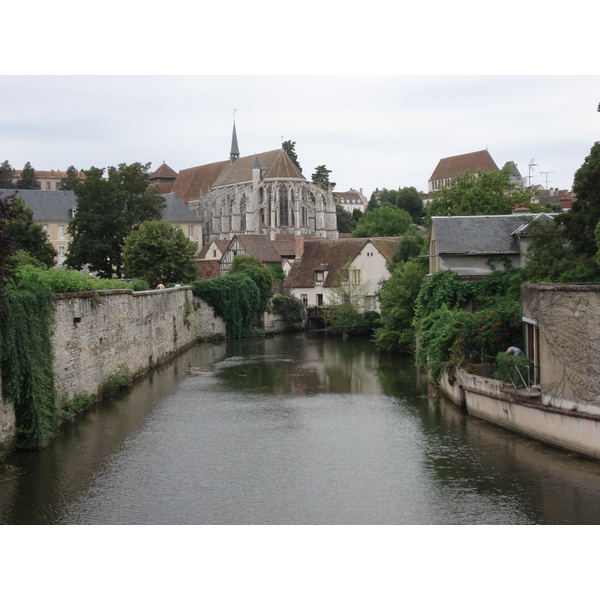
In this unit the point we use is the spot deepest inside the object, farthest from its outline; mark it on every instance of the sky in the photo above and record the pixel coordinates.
(383, 131)
(378, 98)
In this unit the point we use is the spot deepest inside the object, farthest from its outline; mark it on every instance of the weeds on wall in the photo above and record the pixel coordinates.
(26, 363)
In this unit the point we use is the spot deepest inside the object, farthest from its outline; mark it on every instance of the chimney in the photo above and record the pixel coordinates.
(520, 210)
(299, 240)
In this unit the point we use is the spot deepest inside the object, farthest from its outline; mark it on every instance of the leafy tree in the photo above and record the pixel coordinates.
(373, 202)
(386, 221)
(8, 245)
(69, 182)
(345, 221)
(581, 220)
(27, 180)
(261, 275)
(290, 150)
(481, 193)
(409, 199)
(397, 299)
(30, 235)
(158, 252)
(321, 177)
(107, 209)
(7, 175)
(389, 197)
(410, 246)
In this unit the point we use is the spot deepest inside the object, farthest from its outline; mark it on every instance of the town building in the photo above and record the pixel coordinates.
(327, 264)
(48, 180)
(261, 194)
(450, 167)
(351, 200)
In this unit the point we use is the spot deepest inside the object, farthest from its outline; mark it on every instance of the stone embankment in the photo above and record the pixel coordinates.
(95, 333)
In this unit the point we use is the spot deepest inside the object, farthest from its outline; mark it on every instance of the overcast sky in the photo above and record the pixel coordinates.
(359, 92)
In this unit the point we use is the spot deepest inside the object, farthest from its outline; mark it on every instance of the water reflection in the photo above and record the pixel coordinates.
(292, 429)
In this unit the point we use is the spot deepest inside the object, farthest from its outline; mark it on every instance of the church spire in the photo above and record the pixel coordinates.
(235, 151)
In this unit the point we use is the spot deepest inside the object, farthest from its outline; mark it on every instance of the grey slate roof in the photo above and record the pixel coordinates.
(481, 234)
(176, 211)
(48, 206)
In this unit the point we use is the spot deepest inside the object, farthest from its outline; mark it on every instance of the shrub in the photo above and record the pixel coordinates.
(290, 308)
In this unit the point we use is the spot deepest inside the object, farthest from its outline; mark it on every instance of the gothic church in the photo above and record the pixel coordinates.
(261, 194)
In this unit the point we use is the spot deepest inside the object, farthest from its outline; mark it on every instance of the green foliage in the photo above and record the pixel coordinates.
(345, 222)
(261, 275)
(397, 300)
(27, 181)
(409, 199)
(277, 271)
(290, 150)
(321, 177)
(347, 319)
(235, 298)
(26, 363)
(7, 174)
(8, 245)
(481, 193)
(514, 370)
(409, 247)
(30, 235)
(71, 180)
(386, 221)
(116, 382)
(107, 209)
(290, 308)
(159, 252)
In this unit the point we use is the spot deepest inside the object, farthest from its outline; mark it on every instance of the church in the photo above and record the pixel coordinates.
(264, 194)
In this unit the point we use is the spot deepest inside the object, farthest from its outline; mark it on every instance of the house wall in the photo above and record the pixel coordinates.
(567, 318)
(59, 240)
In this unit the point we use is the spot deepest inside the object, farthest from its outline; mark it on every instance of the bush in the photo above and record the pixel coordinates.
(290, 308)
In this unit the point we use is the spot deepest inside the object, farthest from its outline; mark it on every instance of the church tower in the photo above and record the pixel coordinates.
(235, 151)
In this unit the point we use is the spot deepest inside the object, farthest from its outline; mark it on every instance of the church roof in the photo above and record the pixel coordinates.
(453, 165)
(193, 183)
(163, 172)
(275, 164)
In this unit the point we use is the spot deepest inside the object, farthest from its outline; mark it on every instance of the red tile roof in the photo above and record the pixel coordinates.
(473, 161)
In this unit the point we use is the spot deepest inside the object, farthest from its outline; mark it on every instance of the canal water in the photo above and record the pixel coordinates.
(293, 429)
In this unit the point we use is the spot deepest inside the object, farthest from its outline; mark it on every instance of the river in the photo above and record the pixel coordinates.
(292, 429)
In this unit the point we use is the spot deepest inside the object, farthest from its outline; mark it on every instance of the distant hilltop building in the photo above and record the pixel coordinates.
(450, 167)
(48, 180)
(351, 200)
(261, 194)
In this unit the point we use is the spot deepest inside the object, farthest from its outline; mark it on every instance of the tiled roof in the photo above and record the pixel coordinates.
(285, 248)
(192, 184)
(259, 246)
(50, 174)
(489, 234)
(324, 255)
(453, 165)
(220, 244)
(48, 206)
(163, 172)
(276, 164)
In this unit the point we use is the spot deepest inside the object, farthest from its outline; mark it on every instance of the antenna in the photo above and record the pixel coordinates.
(531, 165)
(546, 173)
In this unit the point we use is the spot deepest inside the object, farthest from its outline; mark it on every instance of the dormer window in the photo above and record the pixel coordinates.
(320, 276)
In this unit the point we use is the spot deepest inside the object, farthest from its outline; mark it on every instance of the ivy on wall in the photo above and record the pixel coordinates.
(234, 298)
(26, 363)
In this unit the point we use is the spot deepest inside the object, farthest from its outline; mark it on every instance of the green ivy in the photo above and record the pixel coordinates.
(26, 363)
(290, 308)
(235, 298)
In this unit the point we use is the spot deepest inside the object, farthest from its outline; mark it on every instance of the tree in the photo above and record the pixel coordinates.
(8, 245)
(69, 182)
(388, 197)
(159, 252)
(290, 150)
(345, 222)
(27, 180)
(373, 202)
(107, 209)
(481, 193)
(7, 175)
(386, 221)
(261, 275)
(30, 235)
(410, 200)
(321, 177)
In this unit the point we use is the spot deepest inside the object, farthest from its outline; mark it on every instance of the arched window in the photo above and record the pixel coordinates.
(284, 218)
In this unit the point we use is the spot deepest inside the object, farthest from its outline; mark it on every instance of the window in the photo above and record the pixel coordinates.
(190, 231)
(319, 299)
(61, 251)
(304, 299)
(320, 276)
(61, 232)
(45, 228)
(214, 254)
(355, 276)
(48, 185)
(370, 303)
